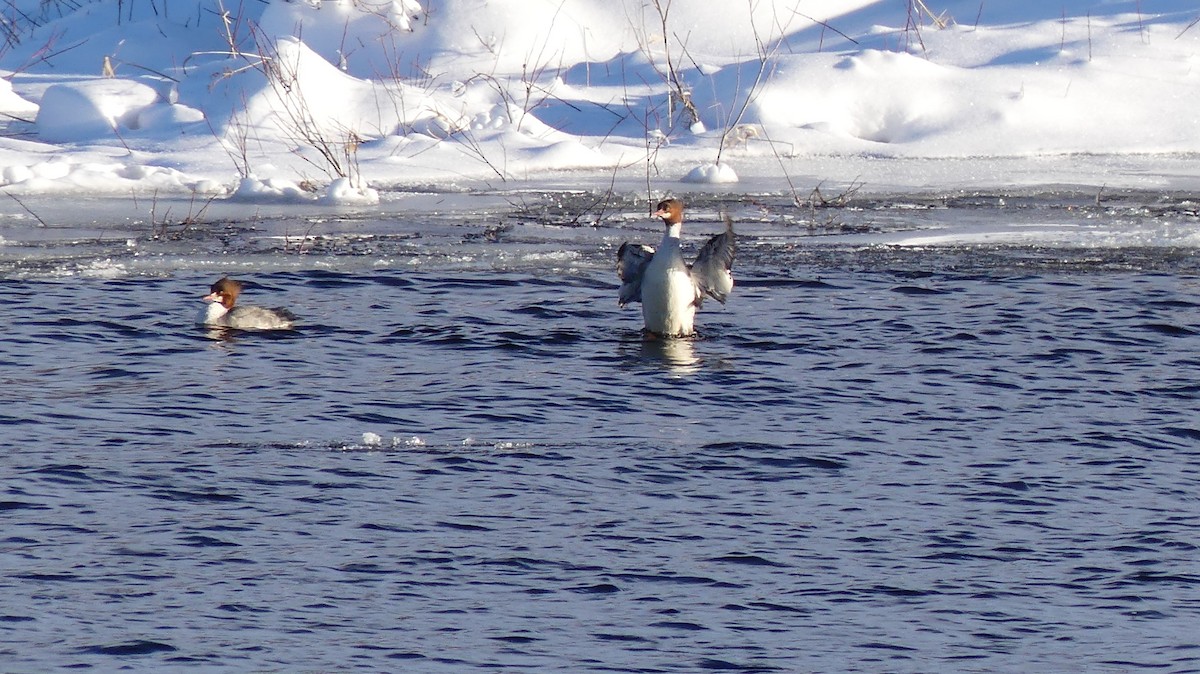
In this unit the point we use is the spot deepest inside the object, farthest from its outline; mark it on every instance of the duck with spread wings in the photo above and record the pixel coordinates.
(670, 289)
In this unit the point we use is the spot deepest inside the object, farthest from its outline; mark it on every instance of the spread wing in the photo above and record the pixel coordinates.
(712, 270)
(632, 259)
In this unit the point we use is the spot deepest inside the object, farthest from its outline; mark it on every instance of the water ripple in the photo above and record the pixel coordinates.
(894, 466)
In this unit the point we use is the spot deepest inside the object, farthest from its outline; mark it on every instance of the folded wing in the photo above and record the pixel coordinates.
(632, 259)
(712, 270)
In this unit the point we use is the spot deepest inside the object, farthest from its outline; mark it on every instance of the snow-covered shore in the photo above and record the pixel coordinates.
(333, 101)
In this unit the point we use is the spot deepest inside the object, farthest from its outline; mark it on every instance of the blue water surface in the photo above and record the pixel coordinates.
(957, 458)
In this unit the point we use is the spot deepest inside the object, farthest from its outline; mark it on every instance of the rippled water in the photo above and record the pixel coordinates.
(957, 457)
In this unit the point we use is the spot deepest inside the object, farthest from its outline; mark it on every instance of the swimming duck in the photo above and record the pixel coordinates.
(669, 289)
(221, 312)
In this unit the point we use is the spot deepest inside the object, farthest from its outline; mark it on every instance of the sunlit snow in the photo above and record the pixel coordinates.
(329, 102)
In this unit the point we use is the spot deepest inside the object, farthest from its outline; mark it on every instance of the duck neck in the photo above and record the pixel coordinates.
(211, 312)
(671, 236)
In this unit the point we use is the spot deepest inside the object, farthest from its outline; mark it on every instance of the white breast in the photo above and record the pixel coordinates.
(211, 314)
(668, 294)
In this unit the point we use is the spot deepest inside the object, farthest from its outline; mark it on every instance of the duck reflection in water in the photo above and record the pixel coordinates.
(678, 355)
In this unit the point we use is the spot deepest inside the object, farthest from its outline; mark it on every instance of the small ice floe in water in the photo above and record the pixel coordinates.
(106, 269)
(345, 192)
(375, 441)
(281, 190)
(221, 310)
(711, 174)
(670, 289)
(341, 192)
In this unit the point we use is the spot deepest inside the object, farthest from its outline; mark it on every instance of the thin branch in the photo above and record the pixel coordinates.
(824, 24)
(28, 209)
(1188, 27)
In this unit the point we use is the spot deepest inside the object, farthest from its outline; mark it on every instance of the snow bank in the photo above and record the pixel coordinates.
(100, 109)
(12, 104)
(340, 95)
(365, 39)
(991, 100)
(65, 176)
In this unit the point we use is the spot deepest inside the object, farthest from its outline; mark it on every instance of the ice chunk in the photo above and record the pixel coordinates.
(712, 174)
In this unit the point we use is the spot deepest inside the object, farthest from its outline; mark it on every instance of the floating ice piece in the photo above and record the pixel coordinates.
(712, 174)
(344, 192)
(270, 189)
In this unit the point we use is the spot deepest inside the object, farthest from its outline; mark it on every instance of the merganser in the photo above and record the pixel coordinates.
(220, 311)
(669, 289)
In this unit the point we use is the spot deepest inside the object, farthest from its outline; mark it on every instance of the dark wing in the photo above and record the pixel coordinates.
(632, 259)
(711, 271)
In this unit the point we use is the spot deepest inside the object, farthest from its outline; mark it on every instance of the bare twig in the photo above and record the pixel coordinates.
(787, 176)
(606, 198)
(339, 155)
(304, 238)
(765, 54)
(1188, 27)
(162, 226)
(679, 91)
(818, 200)
(824, 24)
(28, 210)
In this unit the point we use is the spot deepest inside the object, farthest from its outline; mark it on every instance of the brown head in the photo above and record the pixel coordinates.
(224, 291)
(671, 211)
